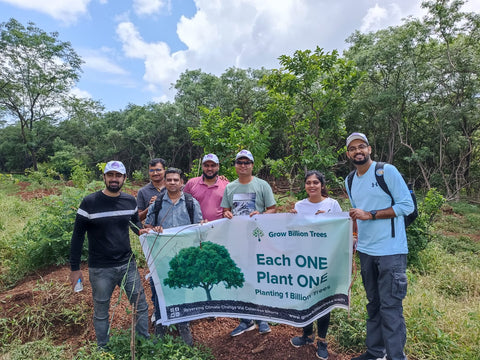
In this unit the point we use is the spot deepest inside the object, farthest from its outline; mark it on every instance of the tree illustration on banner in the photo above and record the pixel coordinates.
(204, 266)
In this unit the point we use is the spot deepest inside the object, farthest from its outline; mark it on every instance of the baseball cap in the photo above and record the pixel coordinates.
(244, 153)
(357, 136)
(115, 166)
(210, 157)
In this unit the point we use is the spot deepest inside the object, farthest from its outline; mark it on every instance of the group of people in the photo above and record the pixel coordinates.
(106, 216)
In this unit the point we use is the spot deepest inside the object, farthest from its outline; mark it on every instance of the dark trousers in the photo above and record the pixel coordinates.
(385, 282)
(322, 327)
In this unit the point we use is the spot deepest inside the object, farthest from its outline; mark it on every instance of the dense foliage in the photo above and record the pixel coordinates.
(413, 89)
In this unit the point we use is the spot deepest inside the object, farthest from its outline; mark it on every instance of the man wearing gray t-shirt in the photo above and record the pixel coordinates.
(248, 195)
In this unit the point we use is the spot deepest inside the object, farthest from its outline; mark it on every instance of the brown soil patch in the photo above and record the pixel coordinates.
(213, 333)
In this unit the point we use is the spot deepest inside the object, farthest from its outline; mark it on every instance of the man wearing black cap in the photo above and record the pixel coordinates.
(106, 217)
(382, 252)
(248, 195)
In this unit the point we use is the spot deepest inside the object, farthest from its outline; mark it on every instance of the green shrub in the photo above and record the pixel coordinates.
(167, 348)
(45, 239)
(419, 232)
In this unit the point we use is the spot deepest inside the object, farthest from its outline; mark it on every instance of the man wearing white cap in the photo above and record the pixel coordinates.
(382, 251)
(208, 189)
(248, 195)
(106, 217)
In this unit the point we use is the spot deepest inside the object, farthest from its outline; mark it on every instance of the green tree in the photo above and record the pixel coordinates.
(419, 100)
(309, 97)
(204, 266)
(37, 72)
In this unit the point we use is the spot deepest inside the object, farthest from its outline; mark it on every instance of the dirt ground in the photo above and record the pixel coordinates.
(213, 333)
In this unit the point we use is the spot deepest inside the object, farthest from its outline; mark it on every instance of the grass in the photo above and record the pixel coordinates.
(442, 308)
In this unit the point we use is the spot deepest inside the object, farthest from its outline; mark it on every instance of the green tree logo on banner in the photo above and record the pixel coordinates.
(204, 266)
(258, 233)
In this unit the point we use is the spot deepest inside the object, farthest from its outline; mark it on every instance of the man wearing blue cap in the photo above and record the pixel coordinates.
(208, 189)
(248, 195)
(106, 217)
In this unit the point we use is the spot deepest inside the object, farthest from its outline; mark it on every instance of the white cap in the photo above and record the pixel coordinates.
(210, 157)
(357, 136)
(244, 153)
(115, 166)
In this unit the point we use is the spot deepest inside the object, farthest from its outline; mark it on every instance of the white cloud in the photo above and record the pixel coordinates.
(100, 61)
(80, 93)
(161, 67)
(252, 33)
(67, 11)
(149, 7)
(375, 16)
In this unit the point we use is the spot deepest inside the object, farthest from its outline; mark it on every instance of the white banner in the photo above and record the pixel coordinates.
(284, 268)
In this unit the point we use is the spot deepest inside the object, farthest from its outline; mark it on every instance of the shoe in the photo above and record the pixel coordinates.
(322, 352)
(185, 333)
(159, 330)
(263, 327)
(368, 356)
(298, 341)
(242, 327)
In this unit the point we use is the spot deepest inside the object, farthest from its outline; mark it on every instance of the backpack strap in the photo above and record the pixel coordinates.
(350, 181)
(189, 205)
(157, 207)
(383, 185)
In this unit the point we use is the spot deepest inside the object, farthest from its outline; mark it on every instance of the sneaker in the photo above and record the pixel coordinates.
(368, 356)
(263, 327)
(322, 352)
(242, 327)
(185, 333)
(159, 330)
(298, 341)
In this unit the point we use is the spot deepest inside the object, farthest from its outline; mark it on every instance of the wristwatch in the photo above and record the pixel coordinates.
(374, 214)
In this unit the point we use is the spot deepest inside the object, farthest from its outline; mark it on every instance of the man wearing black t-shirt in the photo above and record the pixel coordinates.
(106, 217)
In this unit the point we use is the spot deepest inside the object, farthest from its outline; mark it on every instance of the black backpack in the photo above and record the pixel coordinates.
(410, 218)
(158, 206)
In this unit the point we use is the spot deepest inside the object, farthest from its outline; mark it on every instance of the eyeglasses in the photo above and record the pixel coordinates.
(239, 162)
(359, 147)
(155, 170)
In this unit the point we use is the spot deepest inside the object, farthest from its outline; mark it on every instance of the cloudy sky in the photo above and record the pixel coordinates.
(133, 50)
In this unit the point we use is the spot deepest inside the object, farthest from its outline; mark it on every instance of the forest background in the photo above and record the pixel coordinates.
(412, 89)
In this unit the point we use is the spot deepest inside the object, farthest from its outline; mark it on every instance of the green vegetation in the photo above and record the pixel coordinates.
(412, 89)
(441, 309)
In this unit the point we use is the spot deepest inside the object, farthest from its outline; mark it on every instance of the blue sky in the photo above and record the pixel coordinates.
(133, 50)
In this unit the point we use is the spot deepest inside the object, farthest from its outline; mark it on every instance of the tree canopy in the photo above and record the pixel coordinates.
(413, 89)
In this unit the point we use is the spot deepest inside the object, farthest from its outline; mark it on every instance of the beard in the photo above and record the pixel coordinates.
(361, 162)
(209, 177)
(114, 188)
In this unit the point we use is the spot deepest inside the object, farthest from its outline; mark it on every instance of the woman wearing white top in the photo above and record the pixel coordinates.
(317, 202)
